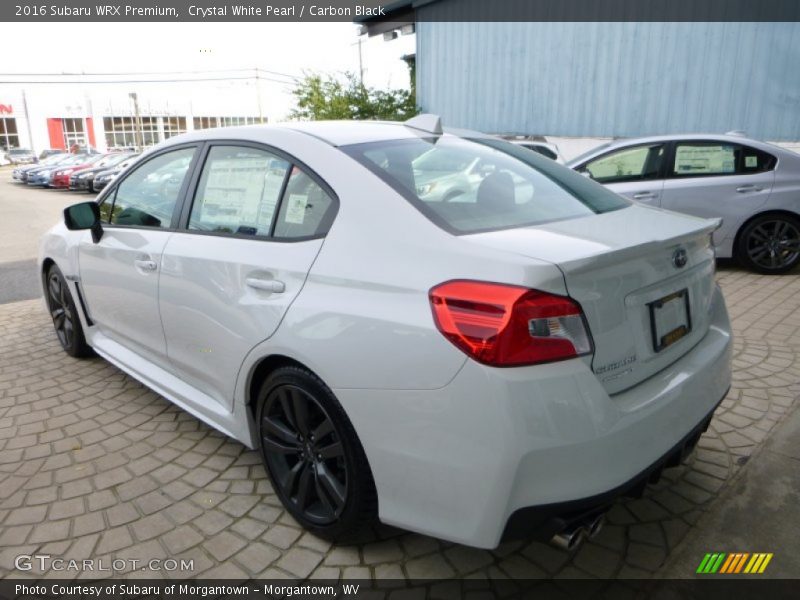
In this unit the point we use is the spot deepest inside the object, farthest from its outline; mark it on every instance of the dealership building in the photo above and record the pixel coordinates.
(110, 115)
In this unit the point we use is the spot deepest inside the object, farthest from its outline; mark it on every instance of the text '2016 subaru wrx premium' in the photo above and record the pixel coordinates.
(503, 359)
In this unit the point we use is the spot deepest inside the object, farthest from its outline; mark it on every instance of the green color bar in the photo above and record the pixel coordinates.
(702, 567)
(718, 564)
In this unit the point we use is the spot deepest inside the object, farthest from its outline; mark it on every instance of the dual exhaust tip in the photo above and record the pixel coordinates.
(572, 537)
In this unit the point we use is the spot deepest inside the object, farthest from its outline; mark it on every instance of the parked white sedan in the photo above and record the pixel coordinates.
(504, 364)
(752, 186)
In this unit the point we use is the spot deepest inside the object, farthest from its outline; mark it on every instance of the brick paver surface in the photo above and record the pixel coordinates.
(94, 465)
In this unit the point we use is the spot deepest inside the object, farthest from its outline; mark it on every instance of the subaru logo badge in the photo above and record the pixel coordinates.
(680, 258)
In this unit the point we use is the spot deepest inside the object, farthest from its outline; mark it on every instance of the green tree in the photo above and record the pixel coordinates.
(319, 97)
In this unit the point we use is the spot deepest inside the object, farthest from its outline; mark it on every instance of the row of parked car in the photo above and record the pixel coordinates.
(76, 172)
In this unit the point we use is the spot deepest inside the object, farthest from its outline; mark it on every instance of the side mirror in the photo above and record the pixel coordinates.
(85, 215)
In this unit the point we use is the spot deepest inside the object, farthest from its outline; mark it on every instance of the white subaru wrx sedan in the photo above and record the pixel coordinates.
(501, 362)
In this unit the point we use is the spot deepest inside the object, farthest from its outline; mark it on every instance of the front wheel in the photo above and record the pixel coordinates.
(313, 456)
(770, 244)
(65, 316)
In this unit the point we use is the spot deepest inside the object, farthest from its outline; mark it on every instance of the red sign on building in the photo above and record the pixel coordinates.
(6, 109)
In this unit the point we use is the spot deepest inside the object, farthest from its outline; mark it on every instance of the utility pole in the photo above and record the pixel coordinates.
(88, 121)
(27, 120)
(360, 63)
(137, 121)
(258, 98)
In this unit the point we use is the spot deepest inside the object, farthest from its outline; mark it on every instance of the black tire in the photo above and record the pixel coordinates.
(324, 481)
(770, 244)
(66, 320)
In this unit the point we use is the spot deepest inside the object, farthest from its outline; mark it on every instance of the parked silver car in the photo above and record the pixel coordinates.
(753, 186)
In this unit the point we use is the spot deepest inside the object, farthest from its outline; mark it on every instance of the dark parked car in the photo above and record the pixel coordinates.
(103, 178)
(83, 179)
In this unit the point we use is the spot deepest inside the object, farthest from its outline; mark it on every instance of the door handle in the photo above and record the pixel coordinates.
(145, 265)
(266, 285)
(743, 189)
(643, 195)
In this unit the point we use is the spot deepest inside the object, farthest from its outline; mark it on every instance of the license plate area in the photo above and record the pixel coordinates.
(670, 319)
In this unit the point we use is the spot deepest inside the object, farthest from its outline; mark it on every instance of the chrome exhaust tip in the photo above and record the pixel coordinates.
(569, 539)
(595, 525)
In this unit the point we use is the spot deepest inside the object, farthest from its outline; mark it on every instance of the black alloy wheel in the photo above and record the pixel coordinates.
(314, 459)
(65, 317)
(770, 244)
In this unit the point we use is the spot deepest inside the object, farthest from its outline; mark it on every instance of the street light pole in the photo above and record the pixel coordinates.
(137, 121)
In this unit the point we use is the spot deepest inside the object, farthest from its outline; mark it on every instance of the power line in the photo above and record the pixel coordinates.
(126, 73)
(106, 81)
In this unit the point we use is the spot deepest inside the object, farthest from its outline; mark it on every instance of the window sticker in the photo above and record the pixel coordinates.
(296, 209)
(751, 162)
(704, 160)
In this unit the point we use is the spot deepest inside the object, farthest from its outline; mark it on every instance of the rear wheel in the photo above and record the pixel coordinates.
(65, 317)
(770, 244)
(313, 456)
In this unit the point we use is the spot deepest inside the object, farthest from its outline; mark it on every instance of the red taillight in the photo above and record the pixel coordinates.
(507, 326)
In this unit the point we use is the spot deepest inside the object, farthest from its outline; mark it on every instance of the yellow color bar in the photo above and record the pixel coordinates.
(765, 563)
(752, 564)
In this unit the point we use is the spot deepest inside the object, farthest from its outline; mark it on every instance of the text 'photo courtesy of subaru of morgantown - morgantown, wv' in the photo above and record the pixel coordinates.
(439, 330)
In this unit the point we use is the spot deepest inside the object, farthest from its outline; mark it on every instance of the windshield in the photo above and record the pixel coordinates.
(483, 184)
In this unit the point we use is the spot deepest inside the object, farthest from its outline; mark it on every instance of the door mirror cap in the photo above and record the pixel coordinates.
(85, 215)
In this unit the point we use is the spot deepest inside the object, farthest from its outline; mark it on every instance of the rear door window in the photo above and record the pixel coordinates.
(703, 159)
(307, 210)
(756, 161)
(238, 191)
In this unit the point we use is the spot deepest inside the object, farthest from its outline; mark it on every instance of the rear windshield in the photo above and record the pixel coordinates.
(482, 184)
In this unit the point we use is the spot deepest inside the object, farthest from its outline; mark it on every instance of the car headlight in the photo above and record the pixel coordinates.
(425, 189)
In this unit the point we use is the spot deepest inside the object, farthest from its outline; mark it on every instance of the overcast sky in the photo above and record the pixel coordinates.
(288, 48)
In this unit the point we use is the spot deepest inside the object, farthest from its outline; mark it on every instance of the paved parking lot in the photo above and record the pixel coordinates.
(94, 465)
(25, 214)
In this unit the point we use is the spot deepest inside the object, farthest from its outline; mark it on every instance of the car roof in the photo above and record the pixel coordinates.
(335, 133)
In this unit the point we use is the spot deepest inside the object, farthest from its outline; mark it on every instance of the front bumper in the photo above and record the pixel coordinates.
(458, 462)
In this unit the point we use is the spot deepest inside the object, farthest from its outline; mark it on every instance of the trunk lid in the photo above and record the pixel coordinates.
(624, 268)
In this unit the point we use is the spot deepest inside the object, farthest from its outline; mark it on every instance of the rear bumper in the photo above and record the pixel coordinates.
(543, 522)
(463, 461)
